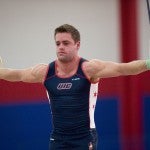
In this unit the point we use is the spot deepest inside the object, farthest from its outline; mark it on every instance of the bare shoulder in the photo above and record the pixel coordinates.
(91, 68)
(92, 64)
(40, 67)
(39, 71)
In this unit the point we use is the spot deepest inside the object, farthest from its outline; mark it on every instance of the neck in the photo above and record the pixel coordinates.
(67, 68)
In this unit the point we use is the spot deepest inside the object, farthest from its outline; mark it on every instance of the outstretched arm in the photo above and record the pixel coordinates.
(31, 75)
(97, 69)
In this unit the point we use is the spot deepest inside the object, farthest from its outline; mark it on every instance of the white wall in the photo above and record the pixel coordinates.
(144, 30)
(26, 29)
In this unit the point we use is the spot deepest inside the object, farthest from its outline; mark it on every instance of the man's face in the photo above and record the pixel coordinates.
(66, 48)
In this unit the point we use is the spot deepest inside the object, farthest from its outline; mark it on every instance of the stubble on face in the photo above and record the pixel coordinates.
(65, 59)
(66, 47)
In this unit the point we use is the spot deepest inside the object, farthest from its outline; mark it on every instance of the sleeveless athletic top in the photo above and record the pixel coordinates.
(72, 101)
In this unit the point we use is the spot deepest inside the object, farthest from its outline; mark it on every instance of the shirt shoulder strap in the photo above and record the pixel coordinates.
(80, 71)
(51, 70)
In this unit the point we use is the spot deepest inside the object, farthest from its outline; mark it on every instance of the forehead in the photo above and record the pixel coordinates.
(63, 37)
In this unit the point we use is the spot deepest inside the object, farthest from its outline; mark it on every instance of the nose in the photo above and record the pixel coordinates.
(61, 46)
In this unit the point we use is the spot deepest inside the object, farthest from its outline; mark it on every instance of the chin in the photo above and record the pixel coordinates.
(64, 60)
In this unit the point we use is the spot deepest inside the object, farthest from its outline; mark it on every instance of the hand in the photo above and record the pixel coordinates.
(90, 146)
(148, 64)
(1, 62)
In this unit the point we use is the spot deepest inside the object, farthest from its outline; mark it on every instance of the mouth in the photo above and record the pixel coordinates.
(61, 53)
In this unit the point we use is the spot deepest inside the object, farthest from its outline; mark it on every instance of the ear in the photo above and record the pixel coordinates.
(78, 44)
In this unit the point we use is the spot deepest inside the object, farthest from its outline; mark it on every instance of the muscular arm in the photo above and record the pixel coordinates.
(31, 75)
(97, 69)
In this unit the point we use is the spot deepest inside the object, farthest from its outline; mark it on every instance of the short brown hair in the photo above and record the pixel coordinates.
(68, 29)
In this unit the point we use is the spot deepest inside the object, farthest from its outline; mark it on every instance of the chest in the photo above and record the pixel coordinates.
(74, 85)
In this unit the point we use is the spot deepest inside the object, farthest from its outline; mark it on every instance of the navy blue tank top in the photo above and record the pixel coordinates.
(69, 101)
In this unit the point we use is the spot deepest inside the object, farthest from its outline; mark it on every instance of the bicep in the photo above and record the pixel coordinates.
(107, 69)
(34, 74)
(103, 69)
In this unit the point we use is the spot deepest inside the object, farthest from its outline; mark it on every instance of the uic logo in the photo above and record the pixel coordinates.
(64, 86)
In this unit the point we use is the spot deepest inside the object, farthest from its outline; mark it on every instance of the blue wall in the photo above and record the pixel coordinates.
(24, 127)
(27, 127)
(107, 123)
(147, 122)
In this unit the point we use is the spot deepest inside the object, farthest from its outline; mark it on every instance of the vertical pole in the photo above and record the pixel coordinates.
(131, 104)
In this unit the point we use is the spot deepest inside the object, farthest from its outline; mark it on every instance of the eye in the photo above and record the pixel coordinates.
(66, 43)
(57, 43)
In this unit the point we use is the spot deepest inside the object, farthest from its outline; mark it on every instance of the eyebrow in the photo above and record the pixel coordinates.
(63, 41)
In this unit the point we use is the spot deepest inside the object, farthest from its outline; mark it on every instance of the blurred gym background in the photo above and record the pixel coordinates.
(114, 30)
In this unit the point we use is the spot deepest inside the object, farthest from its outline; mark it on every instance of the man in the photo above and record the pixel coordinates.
(70, 82)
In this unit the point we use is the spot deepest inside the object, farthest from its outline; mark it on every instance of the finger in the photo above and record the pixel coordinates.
(1, 62)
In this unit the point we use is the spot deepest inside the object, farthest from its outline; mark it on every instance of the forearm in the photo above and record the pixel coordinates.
(31, 75)
(135, 67)
(10, 74)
